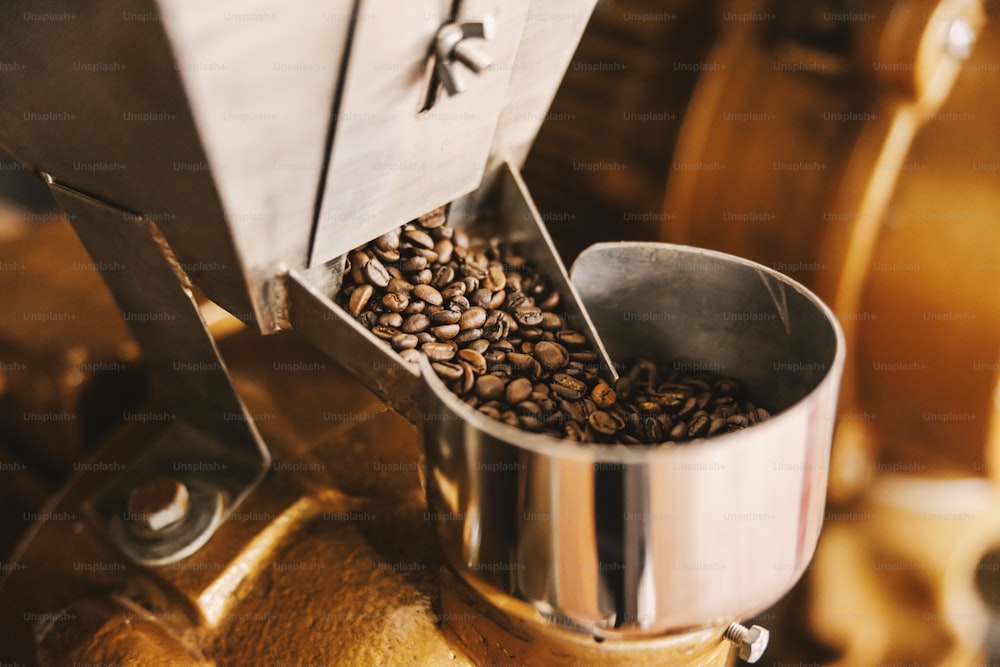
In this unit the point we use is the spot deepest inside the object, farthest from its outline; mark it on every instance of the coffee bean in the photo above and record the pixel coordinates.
(359, 299)
(551, 322)
(444, 249)
(699, 425)
(604, 422)
(391, 320)
(431, 220)
(445, 331)
(436, 351)
(567, 386)
(445, 317)
(550, 302)
(404, 341)
(413, 264)
(475, 360)
(428, 294)
(528, 315)
(416, 323)
(385, 333)
(419, 237)
(410, 356)
(376, 273)
(387, 256)
(480, 345)
(495, 279)
(473, 318)
(388, 241)
(453, 290)
(489, 387)
(603, 395)
(443, 277)
(367, 319)
(447, 370)
(552, 356)
(459, 304)
(518, 390)
(395, 303)
(571, 338)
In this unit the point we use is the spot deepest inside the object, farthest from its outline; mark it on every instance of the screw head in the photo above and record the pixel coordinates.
(754, 644)
(157, 505)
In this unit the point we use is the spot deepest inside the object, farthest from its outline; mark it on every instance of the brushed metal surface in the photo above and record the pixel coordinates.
(624, 542)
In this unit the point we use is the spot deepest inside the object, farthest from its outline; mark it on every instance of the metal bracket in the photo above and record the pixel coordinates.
(211, 444)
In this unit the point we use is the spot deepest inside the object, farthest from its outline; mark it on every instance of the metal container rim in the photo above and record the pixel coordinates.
(557, 448)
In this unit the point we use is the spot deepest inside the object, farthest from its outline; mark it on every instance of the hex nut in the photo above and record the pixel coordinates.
(157, 505)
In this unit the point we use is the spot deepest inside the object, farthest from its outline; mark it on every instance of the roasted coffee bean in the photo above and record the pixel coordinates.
(432, 220)
(428, 294)
(426, 337)
(520, 362)
(495, 279)
(489, 387)
(439, 351)
(416, 323)
(410, 356)
(399, 285)
(447, 370)
(443, 277)
(475, 360)
(388, 241)
(469, 336)
(385, 333)
(481, 298)
(423, 277)
(391, 320)
(453, 290)
(552, 356)
(699, 425)
(568, 387)
(473, 318)
(459, 304)
(395, 303)
(603, 395)
(445, 331)
(604, 422)
(571, 338)
(551, 322)
(445, 317)
(480, 345)
(413, 264)
(359, 299)
(415, 306)
(444, 249)
(528, 315)
(419, 237)
(404, 341)
(550, 302)
(376, 273)
(368, 319)
(718, 425)
(387, 256)
(518, 390)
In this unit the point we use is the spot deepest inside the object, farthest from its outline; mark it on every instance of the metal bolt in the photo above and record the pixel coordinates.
(451, 46)
(157, 505)
(960, 38)
(752, 641)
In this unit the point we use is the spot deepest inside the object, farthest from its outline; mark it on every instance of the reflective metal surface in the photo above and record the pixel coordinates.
(627, 542)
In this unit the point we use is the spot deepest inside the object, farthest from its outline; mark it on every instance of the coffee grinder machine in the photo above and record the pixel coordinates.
(241, 154)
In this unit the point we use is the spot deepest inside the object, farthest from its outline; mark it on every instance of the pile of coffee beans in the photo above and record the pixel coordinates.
(490, 326)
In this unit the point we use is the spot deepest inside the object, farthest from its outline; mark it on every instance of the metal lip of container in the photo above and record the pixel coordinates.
(627, 542)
